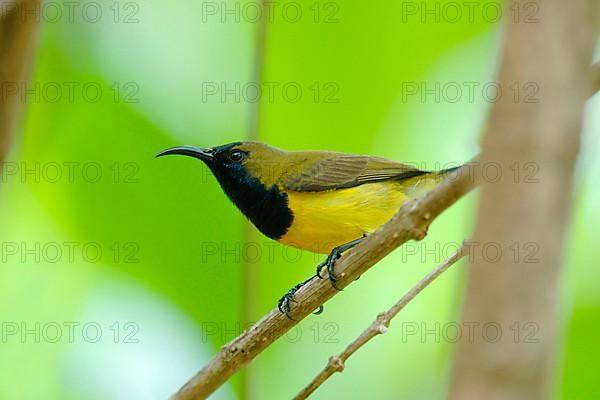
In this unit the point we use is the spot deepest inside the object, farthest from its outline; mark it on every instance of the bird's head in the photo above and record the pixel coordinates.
(237, 161)
(249, 173)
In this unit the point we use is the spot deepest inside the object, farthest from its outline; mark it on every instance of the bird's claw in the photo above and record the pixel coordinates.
(284, 303)
(330, 263)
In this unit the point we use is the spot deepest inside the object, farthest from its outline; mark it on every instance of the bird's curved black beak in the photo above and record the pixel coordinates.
(190, 151)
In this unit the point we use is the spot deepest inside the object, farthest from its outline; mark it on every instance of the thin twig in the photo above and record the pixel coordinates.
(380, 325)
(410, 223)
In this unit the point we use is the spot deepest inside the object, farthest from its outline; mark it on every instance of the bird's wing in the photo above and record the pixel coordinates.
(340, 171)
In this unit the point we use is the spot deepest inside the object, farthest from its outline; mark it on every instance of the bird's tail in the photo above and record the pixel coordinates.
(444, 173)
(417, 185)
(448, 170)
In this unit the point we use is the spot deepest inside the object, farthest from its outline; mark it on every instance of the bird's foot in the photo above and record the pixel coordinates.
(284, 304)
(330, 263)
(332, 258)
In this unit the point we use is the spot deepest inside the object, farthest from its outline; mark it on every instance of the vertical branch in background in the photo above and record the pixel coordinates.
(249, 268)
(533, 141)
(17, 33)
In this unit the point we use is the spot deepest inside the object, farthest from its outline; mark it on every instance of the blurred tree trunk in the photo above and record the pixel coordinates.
(526, 212)
(19, 21)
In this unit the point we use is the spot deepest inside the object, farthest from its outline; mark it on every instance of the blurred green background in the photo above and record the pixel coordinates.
(122, 274)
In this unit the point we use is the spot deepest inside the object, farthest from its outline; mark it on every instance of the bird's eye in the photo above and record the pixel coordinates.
(236, 156)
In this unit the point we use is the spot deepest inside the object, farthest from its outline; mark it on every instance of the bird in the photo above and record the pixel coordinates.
(324, 202)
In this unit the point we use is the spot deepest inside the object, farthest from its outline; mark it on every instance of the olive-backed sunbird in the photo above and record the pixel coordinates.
(320, 201)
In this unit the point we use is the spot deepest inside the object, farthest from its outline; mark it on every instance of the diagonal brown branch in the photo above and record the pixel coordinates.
(410, 223)
(380, 325)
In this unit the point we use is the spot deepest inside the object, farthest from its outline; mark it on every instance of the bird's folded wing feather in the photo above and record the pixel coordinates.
(346, 170)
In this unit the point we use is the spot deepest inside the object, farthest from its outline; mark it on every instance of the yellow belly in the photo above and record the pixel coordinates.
(324, 220)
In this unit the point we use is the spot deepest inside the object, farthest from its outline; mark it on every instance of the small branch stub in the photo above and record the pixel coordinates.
(336, 363)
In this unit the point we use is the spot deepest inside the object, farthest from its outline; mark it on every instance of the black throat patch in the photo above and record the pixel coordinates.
(267, 208)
